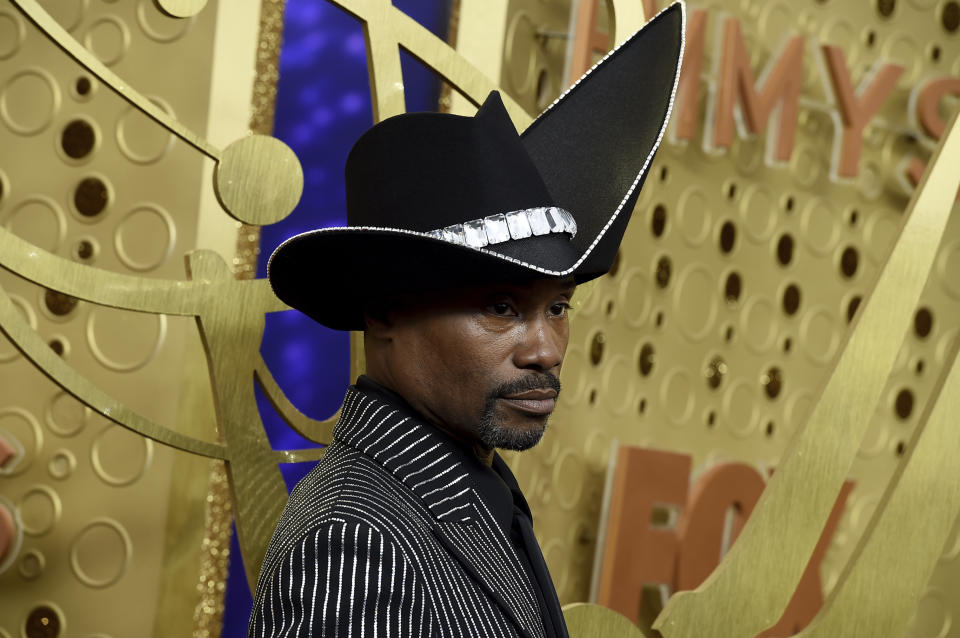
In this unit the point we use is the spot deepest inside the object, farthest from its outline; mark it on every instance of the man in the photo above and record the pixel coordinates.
(464, 245)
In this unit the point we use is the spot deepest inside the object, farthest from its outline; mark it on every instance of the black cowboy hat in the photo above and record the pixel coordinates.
(437, 200)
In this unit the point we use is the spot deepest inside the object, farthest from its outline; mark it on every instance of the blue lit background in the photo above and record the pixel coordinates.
(323, 105)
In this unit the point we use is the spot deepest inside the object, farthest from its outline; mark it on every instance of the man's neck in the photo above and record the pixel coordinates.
(483, 453)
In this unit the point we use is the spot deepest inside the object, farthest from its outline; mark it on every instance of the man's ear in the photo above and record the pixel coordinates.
(377, 320)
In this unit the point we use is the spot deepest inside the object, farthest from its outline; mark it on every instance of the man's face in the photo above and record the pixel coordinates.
(483, 362)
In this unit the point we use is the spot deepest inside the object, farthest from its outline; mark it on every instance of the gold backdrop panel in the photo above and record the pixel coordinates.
(93, 496)
(724, 327)
(737, 282)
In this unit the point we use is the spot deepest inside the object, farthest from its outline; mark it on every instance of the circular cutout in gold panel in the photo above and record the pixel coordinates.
(777, 18)
(568, 478)
(60, 345)
(67, 14)
(12, 32)
(634, 297)
(693, 216)
(905, 49)
(7, 350)
(837, 31)
(145, 238)
(617, 383)
(120, 457)
(758, 212)
(695, 301)
(19, 425)
(40, 509)
(29, 101)
(44, 621)
(575, 362)
(676, 395)
(952, 546)
(78, 140)
(740, 409)
(108, 38)
(798, 408)
(100, 554)
(83, 88)
(85, 250)
(758, 324)
(948, 264)
(159, 27)
(32, 564)
(819, 335)
(58, 305)
(66, 416)
(805, 164)
(91, 196)
(124, 341)
(819, 226)
(140, 139)
(520, 40)
(879, 234)
(62, 464)
(40, 221)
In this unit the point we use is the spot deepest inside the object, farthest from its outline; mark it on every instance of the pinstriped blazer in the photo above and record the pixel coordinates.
(385, 537)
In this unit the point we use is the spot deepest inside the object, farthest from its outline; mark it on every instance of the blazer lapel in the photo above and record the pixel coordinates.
(492, 563)
(423, 459)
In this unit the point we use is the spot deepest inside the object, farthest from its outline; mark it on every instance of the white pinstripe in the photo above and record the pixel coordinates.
(373, 514)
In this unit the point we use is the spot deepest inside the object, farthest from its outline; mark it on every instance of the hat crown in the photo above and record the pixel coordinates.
(424, 171)
(412, 176)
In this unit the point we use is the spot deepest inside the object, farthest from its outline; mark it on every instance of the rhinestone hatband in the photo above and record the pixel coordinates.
(518, 224)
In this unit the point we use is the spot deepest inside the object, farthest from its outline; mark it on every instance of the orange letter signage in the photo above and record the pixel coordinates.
(928, 104)
(636, 553)
(783, 78)
(688, 91)
(855, 110)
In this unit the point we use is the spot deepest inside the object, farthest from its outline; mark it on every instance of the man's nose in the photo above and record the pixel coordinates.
(542, 346)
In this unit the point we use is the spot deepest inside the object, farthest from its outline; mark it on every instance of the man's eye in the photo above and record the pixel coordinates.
(559, 309)
(503, 309)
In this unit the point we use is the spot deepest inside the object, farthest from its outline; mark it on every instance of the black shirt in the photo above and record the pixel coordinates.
(500, 493)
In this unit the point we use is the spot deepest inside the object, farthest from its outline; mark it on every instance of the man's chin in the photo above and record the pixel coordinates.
(517, 438)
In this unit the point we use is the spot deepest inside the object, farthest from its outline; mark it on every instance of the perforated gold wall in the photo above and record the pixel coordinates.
(736, 283)
(86, 177)
(729, 302)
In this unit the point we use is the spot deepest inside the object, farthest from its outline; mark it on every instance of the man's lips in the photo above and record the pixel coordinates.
(540, 402)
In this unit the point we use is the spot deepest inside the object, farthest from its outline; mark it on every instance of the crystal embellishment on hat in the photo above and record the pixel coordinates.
(538, 221)
(453, 234)
(555, 221)
(518, 224)
(497, 231)
(475, 233)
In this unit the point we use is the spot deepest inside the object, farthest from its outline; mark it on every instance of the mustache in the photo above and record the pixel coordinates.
(533, 381)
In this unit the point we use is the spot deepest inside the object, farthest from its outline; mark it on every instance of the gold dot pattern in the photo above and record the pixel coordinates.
(116, 193)
(737, 282)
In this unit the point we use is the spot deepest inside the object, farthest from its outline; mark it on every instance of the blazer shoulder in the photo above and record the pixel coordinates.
(350, 487)
(344, 578)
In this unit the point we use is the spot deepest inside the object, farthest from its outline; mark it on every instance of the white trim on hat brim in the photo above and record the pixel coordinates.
(613, 217)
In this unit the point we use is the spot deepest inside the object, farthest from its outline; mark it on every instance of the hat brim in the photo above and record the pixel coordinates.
(593, 147)
(371, 263)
